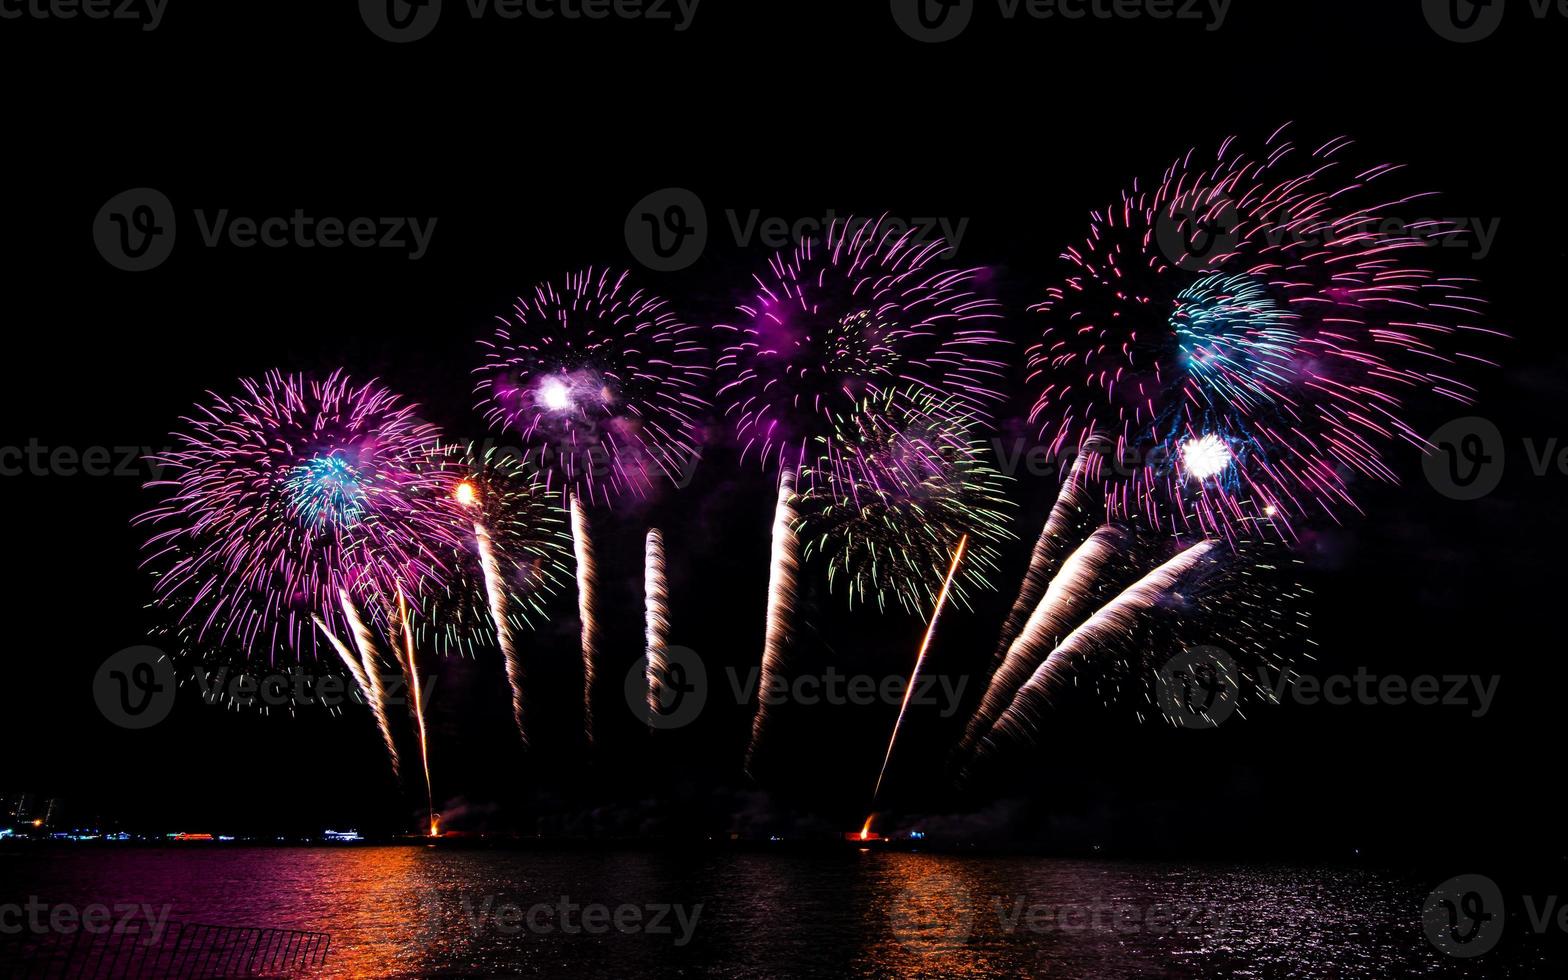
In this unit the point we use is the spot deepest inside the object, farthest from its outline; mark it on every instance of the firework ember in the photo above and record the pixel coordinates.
(1251, 334)
(602, 382)
(839, 320)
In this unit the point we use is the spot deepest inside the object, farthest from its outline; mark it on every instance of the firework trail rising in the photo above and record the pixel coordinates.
(841, 319)
(1252, 331)
(920, 660)
(1100, 632)
(285, 496)
(601, 380)
(656, 592)
(1072, 595)
(587, 589)
(417, 706)
(783, 571)
(1064, 529)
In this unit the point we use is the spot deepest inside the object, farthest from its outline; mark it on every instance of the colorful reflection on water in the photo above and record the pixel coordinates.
(425, 911)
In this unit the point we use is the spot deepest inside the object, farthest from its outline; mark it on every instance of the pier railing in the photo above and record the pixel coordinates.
(180, 950)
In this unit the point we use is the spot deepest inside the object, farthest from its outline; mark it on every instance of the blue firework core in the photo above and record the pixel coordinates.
(326, 491)
(1235, 342)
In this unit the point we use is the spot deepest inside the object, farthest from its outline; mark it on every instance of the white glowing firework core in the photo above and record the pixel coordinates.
(555, 395)
(1205, 457)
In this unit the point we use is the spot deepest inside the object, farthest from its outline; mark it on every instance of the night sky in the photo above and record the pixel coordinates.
(530, 143)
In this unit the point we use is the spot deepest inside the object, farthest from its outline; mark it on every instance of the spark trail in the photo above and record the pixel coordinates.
(784, 568)
(495, 589)
(1068, 600)
(417, 706)
(367, 673)
(920, 660)
(1056, 538)
(1097, 633)
(656, 592)
(587, 586)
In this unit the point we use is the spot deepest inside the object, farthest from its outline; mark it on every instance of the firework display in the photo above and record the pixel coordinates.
(1231, 350)
(1250, 332)
(501, 576)
(286, 498)
(601, 381)
(903, 478)
(839, 320)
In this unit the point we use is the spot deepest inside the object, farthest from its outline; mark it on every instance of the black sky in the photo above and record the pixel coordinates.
(530, 142)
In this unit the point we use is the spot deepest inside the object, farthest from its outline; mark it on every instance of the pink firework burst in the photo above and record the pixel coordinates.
(601, 381)
(285, 498)
(867, 309)
(1251, 332)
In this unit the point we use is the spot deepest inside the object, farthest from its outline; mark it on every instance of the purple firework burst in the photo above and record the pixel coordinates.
(866, 310)
(284, 498)
(1251, 332)
(602, 381)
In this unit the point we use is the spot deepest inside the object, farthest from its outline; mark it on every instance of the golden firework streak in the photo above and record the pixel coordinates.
(920, 659)
(781, 606)
(586, 587)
